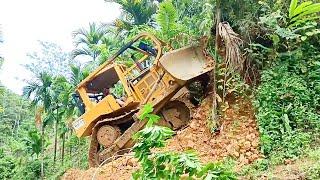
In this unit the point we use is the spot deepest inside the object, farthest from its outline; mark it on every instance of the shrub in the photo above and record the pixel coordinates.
(7, 166)
(287, 102)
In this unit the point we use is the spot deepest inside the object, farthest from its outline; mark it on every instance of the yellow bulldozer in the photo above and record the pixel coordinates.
(144, 71)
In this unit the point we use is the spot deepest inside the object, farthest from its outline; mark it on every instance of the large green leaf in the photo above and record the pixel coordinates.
(311, 9)
(301, 8)
(293, 6)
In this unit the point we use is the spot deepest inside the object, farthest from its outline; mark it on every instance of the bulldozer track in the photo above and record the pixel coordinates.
(177, 118)
(94, 158)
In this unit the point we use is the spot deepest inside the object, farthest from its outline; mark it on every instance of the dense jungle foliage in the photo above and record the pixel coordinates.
(270, 54)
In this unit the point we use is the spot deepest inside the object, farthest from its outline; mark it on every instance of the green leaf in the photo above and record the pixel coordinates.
(275, 39)
(303, 21)
(152, 118)
(293, 6)
(311, 9)
(301, 8)
(303, 38)
(209, 176)
(146, 109)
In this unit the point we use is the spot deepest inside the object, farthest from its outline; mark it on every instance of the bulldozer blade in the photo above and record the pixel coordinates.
(186, 63)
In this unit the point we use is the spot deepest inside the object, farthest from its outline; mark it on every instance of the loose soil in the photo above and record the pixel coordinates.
(237, 137)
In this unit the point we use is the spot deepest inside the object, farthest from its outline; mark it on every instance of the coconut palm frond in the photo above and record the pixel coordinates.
(82, 51)
(75, 75)
(80, 32)
(80, 40)
(78, 74)
(102, 29)
(137, 12)
(30, 89)
(233, 57)
(85, 40)
(39, 90)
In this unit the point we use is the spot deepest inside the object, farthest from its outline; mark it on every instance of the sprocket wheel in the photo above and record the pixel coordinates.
(176, 113)
(107, 134)
(103, 137)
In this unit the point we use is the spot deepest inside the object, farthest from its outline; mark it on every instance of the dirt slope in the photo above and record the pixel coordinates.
(238, 135)
(238, 138)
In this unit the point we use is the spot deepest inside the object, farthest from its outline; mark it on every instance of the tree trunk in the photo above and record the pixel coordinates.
(55, 137)
(62, 149)
(217, 47)
(42, 151)
(217, 20)
(18, 125)
(70, 146)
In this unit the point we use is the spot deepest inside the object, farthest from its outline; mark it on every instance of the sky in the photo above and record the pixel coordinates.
(23, 23)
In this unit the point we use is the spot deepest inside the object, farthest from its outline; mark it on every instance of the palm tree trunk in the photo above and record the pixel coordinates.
(18, 125)
(70, 147)
(42, 151)
(55, 137)
(62, 149)
(15, 125)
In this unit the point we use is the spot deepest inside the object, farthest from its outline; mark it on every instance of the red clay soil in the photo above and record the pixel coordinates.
(121, 168)
(238, 138)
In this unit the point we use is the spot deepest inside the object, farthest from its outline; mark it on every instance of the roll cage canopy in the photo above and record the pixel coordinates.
(105, 75)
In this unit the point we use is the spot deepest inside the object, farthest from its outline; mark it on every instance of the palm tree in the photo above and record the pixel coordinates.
(64, 91)
(77, 75)
(41, 93)
(134, 13)
(87, 40)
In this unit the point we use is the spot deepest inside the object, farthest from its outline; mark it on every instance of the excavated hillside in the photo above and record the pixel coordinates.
(238, 138)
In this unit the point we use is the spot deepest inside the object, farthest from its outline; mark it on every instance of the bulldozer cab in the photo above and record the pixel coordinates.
(113, 86)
